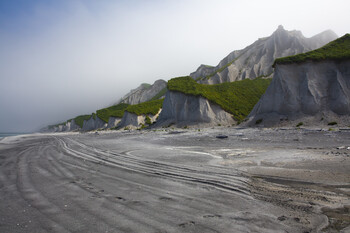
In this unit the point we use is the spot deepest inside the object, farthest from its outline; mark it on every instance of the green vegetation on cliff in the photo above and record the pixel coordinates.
(338, 49)
(237, 98)
(113, 111)
(79, 120)
(149, 107)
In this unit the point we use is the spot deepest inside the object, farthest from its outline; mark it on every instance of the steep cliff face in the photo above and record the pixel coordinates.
(319, 89)
(144, 93)
(257, 59)
(182, 110)
(93, 123)
(113, 122)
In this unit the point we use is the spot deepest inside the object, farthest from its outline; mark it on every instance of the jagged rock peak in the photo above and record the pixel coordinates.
(256, 59)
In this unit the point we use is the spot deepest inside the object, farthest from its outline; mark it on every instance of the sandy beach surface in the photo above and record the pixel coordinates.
(255, 180)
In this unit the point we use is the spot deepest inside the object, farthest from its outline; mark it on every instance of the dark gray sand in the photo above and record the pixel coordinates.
(256, 180)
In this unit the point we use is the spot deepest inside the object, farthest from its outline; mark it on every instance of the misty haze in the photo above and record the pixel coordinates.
(174, 116)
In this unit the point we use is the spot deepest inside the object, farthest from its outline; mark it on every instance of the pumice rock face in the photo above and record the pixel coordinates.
(307, 89)
(182, 109)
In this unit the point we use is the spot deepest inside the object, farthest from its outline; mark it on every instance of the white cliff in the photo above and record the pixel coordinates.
(185, 110)
(71, 126)
(257, 59)
(65, 127)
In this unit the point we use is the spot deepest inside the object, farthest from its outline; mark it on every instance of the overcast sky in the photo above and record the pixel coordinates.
(63, 58)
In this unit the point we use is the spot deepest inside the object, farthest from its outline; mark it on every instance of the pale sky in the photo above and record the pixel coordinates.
(63, 58)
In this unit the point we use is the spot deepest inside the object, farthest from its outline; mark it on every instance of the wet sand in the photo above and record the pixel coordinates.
(256, 180)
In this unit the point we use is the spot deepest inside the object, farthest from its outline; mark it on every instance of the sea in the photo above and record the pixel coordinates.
(2, 135)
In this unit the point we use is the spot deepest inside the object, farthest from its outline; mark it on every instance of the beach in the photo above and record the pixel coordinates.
(176, 180)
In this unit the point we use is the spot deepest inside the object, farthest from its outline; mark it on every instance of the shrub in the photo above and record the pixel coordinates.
(258, 121)
(299, 124)
(332, 123)
(148, 120)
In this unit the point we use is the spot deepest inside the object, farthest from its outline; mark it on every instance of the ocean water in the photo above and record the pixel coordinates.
(2, 135)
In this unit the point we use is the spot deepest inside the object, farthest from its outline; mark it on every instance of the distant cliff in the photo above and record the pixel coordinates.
(256, 60)
(189, 101)
(312, 87)
(145, 92)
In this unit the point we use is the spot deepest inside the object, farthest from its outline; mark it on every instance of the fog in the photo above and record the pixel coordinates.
(60, 59)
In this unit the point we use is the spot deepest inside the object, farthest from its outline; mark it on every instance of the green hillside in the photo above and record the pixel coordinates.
(338, 49)
(237, 98)
(149, 107)
(113, 111)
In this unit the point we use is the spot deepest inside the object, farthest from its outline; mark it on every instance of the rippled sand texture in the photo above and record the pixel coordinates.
(189, 181)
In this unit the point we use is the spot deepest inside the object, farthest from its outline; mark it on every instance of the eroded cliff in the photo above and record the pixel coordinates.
(183, 110)
(297, 91)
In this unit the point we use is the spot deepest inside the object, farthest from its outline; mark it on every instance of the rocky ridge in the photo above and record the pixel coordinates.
(144, 92)
(256, 60)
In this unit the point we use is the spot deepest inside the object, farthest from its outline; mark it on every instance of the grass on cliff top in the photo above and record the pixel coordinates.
(338, 49)
(79, 120)
(237, 98)
(160, 94)
(113, 111)
(146, 85)
(149, 107)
